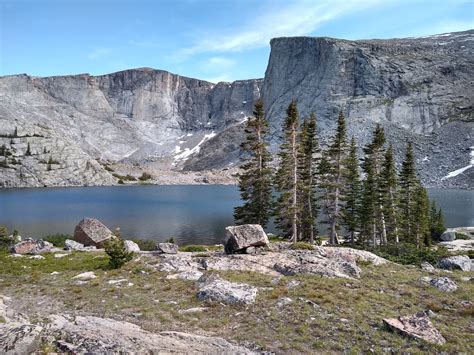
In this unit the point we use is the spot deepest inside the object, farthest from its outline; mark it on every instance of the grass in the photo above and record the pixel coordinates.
(57, 240)
(301, 246)
(154, 303)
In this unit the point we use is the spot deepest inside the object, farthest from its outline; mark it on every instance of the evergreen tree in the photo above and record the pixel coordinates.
(309, 147)
(255, 182)
(336, 155)
(28, 150)
(408, 186)
(389, 187)
(286, 179)
(436, 222)
(421, 213)
(352, 197)
(373, 201)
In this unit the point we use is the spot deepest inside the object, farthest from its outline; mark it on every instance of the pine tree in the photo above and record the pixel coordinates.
(352, 198)
(368, 206)
(373, 161)
(336, 155)
(421, 213)
(408, 186)
(436, 222)
(286, 179)
(309, 147)
(255, 183)
(28, 150)
(389, 187)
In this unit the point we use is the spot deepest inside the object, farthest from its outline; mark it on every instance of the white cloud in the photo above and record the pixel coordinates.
(98, 53)
(297, 19)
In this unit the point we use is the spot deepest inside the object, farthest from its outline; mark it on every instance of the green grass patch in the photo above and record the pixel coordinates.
(302, 246)
(193, 248)
(58, 240)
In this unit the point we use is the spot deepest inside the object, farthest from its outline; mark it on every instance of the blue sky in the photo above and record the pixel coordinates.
(213, 40)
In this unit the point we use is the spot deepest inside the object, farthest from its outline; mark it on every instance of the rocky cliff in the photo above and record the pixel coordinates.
(419, 89)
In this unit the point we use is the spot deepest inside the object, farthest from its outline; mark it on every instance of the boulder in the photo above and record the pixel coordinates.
(91, 232)
(443, 283)
(31, 246)
(131, 246)
(459, 262)
(73, 245)
(167, 248)
(17, 338)
(425, 266)
(186, 275)
(448, 236)
(217, 289)
(238, 238)
(416, 326)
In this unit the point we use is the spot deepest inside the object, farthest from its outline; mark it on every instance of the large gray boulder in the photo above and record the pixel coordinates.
(217, 289)
(73, 245)
(92, 232)
(18, 338)
(167, 248)
(416, 326)
(448, 236)
(238, 238)
(459, 262)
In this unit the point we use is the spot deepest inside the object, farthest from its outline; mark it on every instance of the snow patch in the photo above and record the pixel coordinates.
(457, 172)
(188, 152)
(177, 149)
(189, 135)
(425, 158)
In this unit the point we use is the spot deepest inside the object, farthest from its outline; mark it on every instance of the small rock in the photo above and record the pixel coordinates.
(73, 245)
(37, 257)
(186, 275)
(131, 246)
(167, 248)
(293, 284)
(193, 310)
(59, 256)
(15, 256)
(284, 301)
(115, 282)
(54, 273)
(416, 326)
(425, 266)
(85, 276)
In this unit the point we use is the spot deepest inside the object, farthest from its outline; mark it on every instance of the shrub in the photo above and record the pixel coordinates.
(407, 254)
(5, 242)
(145, 176)
(118, 255)
(170, 240)
(57, 239)
(108, 168)
(193, 248)
(460, 235)
(201, 255)
(302, 246)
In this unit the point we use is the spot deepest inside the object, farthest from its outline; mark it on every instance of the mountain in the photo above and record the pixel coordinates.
(419, 89)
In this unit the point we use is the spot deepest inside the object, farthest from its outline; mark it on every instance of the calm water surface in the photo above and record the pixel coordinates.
(191, 214)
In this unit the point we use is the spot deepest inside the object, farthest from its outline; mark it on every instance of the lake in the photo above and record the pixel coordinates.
(192, 214)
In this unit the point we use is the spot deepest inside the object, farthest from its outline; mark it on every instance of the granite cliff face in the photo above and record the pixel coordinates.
(419, 89)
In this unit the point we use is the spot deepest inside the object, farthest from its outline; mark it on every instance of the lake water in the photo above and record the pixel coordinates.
(191, 214)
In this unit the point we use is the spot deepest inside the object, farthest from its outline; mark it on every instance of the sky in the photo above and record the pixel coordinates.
(214, 40)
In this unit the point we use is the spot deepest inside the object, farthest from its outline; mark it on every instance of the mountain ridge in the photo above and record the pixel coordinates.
(419, 89)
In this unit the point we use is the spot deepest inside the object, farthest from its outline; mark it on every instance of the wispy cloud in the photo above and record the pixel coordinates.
(300, 18)
(98, 53)
(214, 64)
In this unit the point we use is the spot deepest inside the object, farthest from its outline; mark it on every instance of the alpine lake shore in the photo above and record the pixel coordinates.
(338, 301)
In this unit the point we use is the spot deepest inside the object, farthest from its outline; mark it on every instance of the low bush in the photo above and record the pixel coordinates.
(302, 246)
(57, 239)
(193, 248)
(145, 176)
(406, 253)
(118, 255)
(460, 235)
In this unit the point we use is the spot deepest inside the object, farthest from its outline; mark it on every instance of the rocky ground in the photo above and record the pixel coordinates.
(280, 300)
